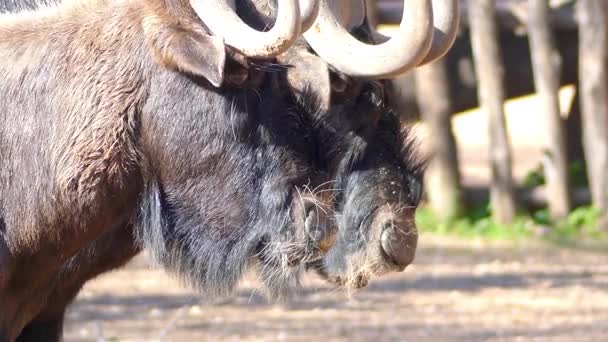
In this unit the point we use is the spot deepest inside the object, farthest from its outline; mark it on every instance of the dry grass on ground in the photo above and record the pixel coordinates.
(456, 291)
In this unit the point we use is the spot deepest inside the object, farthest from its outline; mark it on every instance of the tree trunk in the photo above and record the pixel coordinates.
(442, 179)
(574, 129)
(546, 66)
(490, 75)
(594, 102)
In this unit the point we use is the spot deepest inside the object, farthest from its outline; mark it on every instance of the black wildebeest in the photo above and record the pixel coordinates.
(375, 171)
(114, 136)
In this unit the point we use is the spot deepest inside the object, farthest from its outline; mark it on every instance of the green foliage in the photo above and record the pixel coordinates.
(477, 223)
(581, 225)
(542, 217)
(577, 175)
(534, 177)
(586, 217)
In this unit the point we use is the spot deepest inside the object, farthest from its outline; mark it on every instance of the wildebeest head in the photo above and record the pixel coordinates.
(371, 158)
(231, 184)
(229, 177)
(377, 175)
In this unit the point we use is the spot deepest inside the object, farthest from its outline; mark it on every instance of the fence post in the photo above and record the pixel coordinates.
(489, 71)
(442, 179)
(593, 35)
(546, 65)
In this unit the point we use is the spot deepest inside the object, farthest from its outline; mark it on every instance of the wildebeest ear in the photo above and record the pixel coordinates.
(189, 50)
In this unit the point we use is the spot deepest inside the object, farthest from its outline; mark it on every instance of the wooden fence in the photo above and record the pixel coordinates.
(566, 41)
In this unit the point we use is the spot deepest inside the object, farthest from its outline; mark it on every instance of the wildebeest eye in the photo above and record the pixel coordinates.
(415, 190)
(370, 103)
(340, 83)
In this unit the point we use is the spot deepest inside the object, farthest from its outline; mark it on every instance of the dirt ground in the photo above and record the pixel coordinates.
(455, 291)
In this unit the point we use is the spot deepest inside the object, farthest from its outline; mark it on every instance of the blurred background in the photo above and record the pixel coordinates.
(514, 224)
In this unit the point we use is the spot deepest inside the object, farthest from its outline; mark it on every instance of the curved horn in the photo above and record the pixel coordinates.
(401, 53)
(446, 20)
(309, 10)
(349, 13)
(222, 20)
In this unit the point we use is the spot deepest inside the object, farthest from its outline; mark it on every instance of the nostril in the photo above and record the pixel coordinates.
(319, 229)
(398, 246)
(310, 215)
(388, 226)
(313, 223)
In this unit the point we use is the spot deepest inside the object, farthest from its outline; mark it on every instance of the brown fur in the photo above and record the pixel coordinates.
(90, 60)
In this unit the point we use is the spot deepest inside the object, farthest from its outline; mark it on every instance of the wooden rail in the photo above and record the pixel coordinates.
(511, 14)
